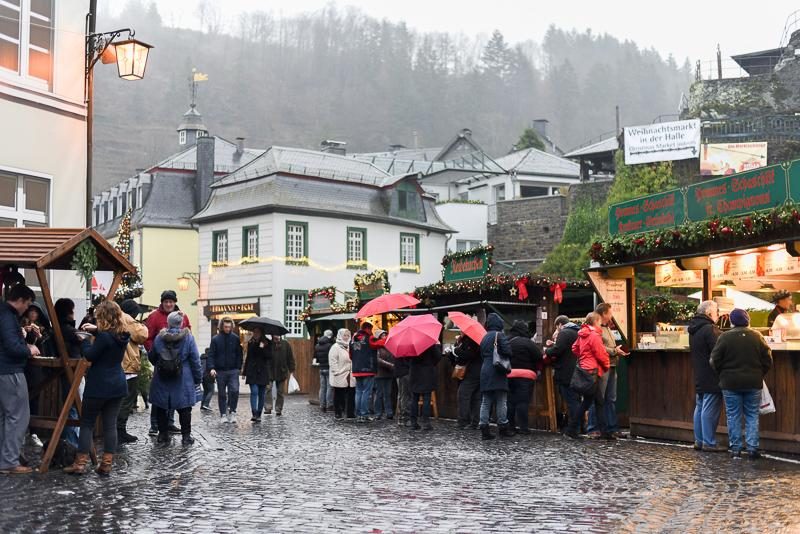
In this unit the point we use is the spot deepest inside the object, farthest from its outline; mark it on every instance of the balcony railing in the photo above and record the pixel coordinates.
(759, 128)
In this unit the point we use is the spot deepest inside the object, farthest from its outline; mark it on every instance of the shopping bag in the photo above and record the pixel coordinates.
(766, 406)
(294, 386)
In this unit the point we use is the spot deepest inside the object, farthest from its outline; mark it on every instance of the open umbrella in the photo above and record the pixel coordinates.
(269, 326)
(385, 303)
(413, 335)
(468, 326)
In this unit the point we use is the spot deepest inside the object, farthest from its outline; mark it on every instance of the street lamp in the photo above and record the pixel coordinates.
(131, 58)
(185, 278)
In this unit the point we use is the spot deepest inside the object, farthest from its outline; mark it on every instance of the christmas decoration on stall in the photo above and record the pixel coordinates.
(130, 286)
(557, 290)
(663, 309)
(701, 236)
(375, 282)
(474, 252)
(85, 262)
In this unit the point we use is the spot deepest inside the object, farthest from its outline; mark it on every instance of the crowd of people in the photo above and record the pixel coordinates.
(360, 378)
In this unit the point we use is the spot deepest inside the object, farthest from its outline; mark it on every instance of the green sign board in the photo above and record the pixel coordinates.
(794, 181)
(371, 291)
(467, 267)
(737, 194)
(320, 303)
(645, 214)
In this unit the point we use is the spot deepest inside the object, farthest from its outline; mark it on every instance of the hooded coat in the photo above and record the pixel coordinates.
(592, 354)
(564, 360)
(105, 379)
(525, 354)
(179, 392)
(703, 334)
(132, 362)
(340, 365)
(422, 375)
(468, 353)
(491, 378)
(258, 365)
(321, 350)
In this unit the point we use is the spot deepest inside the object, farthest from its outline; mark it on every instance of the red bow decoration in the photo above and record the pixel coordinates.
(522, 288)
(557, 290)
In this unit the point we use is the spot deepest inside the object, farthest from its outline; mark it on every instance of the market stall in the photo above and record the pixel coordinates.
(42, 250)
(736, 239)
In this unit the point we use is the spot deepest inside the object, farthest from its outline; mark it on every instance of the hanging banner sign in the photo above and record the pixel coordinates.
(670, 275)
(320, 304)
(778, 262)
(665, 141)
(220, 310)
(737, 267)
(467, 267)
(737, 194)
(722, 159)
(653, 212)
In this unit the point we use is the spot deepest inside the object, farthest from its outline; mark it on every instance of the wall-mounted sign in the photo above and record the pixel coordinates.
(467, 267)
(737, 194)
(215, 311)
(737, 267)
(645, 214)
(670, 275)
(614, 292)
(371, 291)
(721, 159)
(320, 304)
(779, 262)
(665, 141)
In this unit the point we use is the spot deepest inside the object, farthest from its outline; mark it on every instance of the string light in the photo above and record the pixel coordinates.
(307, 262)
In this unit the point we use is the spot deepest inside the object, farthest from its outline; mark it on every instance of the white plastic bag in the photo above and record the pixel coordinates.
(766, 406)
(294, 386)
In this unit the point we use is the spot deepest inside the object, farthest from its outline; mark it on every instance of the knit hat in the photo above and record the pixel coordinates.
(175, 319)
(169, 295)
(780, 295)
(377, 333)
(130, 306)
(328, 333)
(740, 317)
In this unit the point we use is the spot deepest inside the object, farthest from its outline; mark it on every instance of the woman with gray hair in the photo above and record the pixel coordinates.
(703, 334)
(341, 376)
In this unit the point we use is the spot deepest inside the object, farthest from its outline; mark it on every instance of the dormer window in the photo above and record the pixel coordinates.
(182, 137)
(201, 133)
(408, 201)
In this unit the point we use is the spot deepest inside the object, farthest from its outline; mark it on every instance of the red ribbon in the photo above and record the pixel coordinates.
(522, 288)
(557, 290)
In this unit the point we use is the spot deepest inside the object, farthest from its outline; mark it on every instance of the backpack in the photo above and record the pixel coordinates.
(169, 364)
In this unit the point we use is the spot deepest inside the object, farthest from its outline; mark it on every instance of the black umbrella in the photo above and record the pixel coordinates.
(268, 326)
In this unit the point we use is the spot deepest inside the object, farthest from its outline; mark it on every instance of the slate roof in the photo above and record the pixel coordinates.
(225, 157)
(536, 162)
(601, 147)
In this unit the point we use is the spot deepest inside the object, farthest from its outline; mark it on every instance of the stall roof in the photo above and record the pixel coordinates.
(465, 305)
(334, 317)
(51, 248)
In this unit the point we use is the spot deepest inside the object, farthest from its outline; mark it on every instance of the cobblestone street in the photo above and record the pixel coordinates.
(304, 473)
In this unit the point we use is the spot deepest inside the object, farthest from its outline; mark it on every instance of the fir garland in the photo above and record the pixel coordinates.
(488, 249)
(702, 236)
(328, 292)
(367, 279)
(84, 261)
(500, 283)
(661, 308)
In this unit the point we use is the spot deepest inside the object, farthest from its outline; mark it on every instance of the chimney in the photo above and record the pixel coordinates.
(396, 147)
(466, 132)
(540, 127)
(239, 147)
(330, 146)
(205, 170)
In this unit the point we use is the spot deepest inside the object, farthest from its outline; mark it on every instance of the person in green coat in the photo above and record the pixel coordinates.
(282, 366)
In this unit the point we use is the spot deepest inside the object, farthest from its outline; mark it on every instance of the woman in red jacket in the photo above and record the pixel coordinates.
(593, 358)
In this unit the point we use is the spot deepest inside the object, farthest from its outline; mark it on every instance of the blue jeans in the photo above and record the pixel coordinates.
(383, 397)
(257, 395)
(737, 403)
(500, 400)
(363, 391)
(325, 389)
(609, 406)
(228, 390)
(707, 407)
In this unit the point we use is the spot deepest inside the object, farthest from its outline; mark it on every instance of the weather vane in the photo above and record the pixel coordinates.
(196, 77)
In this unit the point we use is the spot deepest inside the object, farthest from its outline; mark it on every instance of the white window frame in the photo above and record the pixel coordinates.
(294, 303)
(19, 213)
(496, 190)
(221, 242)
(182, 137)
(252, 242)
(21, 75)
(355, 246)
(295, 241)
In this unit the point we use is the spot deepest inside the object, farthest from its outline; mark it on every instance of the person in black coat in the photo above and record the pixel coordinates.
(468, 353)
(321, 350)
(525, 354)
(703, 334)
(258, 371)
(559, 353)
(401, 368)
(494, 382)
(422, 381)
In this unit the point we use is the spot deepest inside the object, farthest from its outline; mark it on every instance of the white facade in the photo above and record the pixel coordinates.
(469, 219)
(277, 284)
(43, 140)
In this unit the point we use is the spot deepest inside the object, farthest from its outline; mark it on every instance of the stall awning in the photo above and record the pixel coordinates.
(490, 303)
(334, 317)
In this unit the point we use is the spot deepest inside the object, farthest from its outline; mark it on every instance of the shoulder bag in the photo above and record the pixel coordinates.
(583, 382)
(500, 364)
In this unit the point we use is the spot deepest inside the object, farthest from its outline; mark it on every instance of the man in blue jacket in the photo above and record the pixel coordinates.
(14, 353)
(224, 364)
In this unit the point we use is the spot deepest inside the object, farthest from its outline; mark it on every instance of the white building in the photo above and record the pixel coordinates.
(293, 220)
(43, 141)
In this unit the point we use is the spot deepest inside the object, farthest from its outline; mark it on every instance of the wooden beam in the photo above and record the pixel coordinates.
(706, 284)
(620, 272)
(72, 398)
(693, 264)
(114, 285)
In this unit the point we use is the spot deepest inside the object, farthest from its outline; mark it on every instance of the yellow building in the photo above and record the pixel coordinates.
(162, 201)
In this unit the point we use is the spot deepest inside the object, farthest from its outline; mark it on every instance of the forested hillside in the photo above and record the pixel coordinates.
(338, 73)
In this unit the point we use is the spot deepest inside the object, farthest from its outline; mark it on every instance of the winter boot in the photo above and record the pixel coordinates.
(104, 469)
(78, 467)
(187, 439)
(506, 431)
(163, 437)
(486, 433)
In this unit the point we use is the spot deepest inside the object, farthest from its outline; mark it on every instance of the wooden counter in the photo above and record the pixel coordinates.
(662, 394)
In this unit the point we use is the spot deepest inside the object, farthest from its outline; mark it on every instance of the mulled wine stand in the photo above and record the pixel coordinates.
(43, 249)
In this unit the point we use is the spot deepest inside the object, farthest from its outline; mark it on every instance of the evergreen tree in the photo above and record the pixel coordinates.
(529, 139)
(131, 285)
(496, 57)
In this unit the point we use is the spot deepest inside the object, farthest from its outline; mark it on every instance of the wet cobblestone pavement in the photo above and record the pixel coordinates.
(304, 473)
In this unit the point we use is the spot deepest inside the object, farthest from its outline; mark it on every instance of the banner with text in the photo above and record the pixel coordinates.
(665, 141)
(467, 267)
(737, 194)
(614, 292)
(654, 212)
(670, 275)
(723, 159)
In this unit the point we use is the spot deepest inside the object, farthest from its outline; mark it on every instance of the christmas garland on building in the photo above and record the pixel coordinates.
(663, 309)
(702, 236)
(367, 279)
(488, 249)
(504, 283)
(329, 292)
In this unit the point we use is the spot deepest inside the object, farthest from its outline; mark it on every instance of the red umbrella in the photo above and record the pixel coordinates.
(385, 303)
(413, 335)
(468, 326)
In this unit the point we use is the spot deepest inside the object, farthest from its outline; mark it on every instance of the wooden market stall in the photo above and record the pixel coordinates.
(42, 250)
(735, 232)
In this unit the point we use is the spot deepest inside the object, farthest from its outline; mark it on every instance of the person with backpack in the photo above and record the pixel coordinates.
(176, 378)
(224, 363)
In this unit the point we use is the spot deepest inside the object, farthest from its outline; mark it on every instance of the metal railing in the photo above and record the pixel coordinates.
(757, 128)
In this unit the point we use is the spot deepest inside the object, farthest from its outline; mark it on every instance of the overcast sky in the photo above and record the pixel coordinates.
(684, 28)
